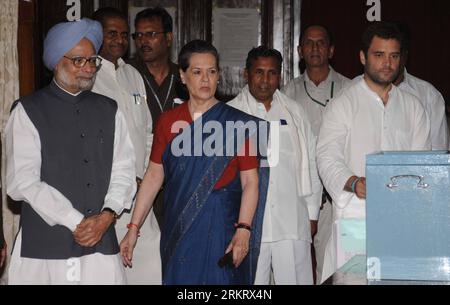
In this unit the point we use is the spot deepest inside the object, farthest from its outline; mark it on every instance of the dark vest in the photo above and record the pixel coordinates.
(77, 144)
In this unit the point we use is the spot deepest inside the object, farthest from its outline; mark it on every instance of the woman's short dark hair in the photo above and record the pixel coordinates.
(384, 30)
(263, 51)
(193, 47)
(158, 13)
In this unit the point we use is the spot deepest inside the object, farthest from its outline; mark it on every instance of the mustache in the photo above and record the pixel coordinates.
(146, 48)
(86, 75)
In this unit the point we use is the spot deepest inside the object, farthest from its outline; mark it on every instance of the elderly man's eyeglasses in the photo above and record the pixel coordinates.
(148, 35)
(80, 62)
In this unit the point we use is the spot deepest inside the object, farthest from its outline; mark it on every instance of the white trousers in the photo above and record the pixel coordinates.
(95, 269)
(290, 261)
(146, 268)
(323, 237)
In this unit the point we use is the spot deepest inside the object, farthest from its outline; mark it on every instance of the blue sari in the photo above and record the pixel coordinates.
(199, 220)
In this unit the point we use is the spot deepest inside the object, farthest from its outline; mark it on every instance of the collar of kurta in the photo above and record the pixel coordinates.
(407, 80)
(64, 95)
(109, 66)
(393, 93)
(330, 78)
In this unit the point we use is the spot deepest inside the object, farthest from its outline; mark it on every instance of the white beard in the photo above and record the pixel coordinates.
(79, 84)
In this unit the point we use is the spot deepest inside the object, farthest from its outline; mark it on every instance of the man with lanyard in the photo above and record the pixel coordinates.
(294, 194)
(71, 162)
(368, 116)
(313, 90)
(153, 38)
(124, 84)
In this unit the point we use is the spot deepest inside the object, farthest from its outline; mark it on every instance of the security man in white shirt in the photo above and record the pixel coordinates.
(314, 89)
(294, 194)
(370, 115)
(428, 95)
(320, 82)
(124, 84)
(434, 104)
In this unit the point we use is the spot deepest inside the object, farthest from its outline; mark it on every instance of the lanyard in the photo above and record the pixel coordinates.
(161, 106)
(318, 102)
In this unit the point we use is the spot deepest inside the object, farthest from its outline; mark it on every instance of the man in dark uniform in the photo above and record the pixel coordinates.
(153, 38)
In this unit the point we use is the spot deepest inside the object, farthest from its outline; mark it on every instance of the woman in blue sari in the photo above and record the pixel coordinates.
(215, 189)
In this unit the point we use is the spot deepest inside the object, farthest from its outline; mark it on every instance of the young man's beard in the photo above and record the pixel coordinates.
(378, 80)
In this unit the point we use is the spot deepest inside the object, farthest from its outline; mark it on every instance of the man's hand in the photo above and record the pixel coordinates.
(360, 186)
(314, 225)
(91, 230)
(3, 253)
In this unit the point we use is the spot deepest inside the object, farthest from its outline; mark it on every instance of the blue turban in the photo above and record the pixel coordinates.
(64, 36)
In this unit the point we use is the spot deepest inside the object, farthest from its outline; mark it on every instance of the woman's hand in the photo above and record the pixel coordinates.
(150, 186)
(240, 246)
(127, 246)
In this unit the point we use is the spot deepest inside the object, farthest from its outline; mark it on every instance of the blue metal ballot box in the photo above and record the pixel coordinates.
(408, 216)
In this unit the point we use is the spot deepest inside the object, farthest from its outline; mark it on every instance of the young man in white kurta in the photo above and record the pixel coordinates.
(124, 84)
(294, 187)
(361, 121)
(433, 103)
(314, 90)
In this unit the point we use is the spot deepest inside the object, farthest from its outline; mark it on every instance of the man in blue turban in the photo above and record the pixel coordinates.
(64, 36)
(71, 162)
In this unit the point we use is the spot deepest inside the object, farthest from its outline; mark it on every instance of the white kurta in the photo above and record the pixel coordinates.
(354, 125)
(288, 209)
(126, 86)
(322, 93)
(23, 149)
(434, 105)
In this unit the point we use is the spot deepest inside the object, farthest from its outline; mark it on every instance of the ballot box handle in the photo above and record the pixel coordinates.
(394, 181)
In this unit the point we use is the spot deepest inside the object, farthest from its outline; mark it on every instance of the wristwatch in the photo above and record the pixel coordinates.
(111, 211)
